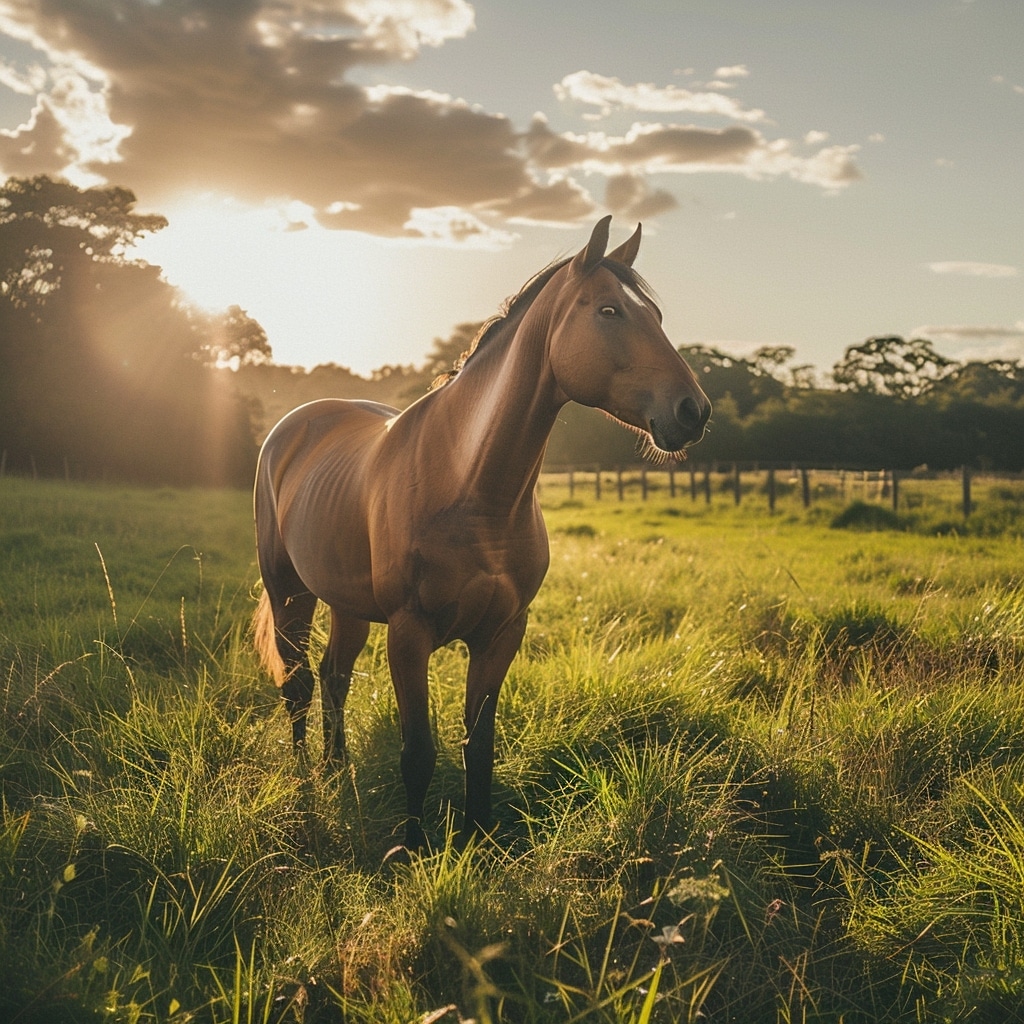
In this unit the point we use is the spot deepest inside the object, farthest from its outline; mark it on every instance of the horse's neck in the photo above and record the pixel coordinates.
(505, 401)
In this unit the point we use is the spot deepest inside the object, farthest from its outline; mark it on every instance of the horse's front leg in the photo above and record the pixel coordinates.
(409, 649)
(488, 665)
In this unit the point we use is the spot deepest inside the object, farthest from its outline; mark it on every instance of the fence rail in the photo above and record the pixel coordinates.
(703, 481)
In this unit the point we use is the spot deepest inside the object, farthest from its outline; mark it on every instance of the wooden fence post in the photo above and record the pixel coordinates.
(643, 483)
(805, 487)
(895, 491)
(965, 479)
(736, 482)
(618, 482)
(572, 484)
(771, 490)
(597, 483)
(671, 481)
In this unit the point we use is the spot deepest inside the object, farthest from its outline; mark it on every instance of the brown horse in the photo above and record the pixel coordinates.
(428, 520)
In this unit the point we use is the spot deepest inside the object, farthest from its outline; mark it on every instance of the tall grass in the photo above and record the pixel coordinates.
(748, 769)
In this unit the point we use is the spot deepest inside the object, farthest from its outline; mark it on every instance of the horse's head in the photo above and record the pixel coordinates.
(608, 348)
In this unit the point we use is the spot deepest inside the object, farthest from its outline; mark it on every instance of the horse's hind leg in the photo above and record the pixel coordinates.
(293, 608)
(347, 639)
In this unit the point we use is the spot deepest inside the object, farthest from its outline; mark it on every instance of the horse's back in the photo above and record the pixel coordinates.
(327, 427)
(325, 415)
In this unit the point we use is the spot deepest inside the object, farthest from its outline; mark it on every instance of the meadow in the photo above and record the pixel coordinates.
(750, 768)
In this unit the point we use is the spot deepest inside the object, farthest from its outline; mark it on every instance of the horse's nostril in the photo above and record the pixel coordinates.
(688, 412)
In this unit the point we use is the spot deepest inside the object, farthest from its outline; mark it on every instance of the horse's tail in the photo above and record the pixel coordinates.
(265, 639)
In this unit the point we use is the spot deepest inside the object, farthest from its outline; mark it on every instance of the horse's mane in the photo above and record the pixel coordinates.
(524, 298)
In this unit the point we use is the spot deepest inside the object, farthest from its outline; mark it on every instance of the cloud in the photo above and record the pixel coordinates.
(1002, 80)
(250, 98)
(686, 148)
(28, 83)
(255, 99)
(978, 341)
(964, 332)
(631, 197)
(968, 268)
(611, 94)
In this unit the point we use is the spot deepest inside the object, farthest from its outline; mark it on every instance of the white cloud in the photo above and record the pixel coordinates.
(24, 83)
(1002, 80)
(977, 341)
(611, 94)
(968, 268)
(453, 226)
(733, 71)
(402, 27)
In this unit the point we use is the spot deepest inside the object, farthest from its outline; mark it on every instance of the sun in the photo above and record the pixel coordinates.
(317, 293)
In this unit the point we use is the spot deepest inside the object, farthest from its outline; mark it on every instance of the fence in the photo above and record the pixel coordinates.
(701, 481)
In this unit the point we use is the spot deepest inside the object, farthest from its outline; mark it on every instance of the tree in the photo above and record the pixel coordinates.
(986, 381)
(102, 365)
(749, 382)
(236, 339)
(48, 227)
(889, 365)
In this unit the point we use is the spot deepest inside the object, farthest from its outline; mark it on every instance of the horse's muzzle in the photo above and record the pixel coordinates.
(690, 417)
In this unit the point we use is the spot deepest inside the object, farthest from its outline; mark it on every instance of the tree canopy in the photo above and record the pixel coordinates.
(104, 369)
(890, 365)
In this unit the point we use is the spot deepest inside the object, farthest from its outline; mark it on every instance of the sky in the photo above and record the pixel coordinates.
(362, 175)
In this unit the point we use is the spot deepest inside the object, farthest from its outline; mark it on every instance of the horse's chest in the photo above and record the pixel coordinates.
(468, 573)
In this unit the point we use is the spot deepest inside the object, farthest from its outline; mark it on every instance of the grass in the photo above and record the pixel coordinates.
(750, 768)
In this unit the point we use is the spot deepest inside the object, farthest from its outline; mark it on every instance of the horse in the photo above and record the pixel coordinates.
(428, 519)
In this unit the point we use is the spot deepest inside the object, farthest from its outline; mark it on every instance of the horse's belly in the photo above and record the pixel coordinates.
(322, 516)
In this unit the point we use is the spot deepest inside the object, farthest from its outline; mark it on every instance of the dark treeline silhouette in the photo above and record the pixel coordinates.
(277, 389)
(889, 402)
(104, 370)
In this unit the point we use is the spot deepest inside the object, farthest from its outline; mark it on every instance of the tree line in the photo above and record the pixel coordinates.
(889, 401)
(106, 371)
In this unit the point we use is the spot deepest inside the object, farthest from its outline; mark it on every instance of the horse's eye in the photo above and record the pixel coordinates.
(609, 311)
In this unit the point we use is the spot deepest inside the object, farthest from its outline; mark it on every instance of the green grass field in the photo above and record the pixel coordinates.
(750, 768)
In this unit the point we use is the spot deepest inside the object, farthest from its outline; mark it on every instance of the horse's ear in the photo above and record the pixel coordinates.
(626, 253)
(587, 258)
